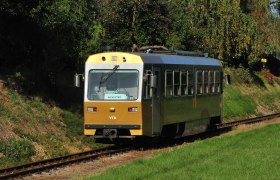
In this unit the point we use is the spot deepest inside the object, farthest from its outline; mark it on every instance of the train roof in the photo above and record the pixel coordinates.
(148, 58)
(151, 58)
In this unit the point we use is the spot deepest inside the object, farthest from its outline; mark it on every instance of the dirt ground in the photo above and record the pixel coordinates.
(95, 167)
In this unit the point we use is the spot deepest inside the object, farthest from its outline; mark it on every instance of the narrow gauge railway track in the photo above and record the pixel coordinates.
(247, 121)
(48, 164)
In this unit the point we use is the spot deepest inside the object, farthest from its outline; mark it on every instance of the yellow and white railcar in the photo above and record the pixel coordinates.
(130, 95)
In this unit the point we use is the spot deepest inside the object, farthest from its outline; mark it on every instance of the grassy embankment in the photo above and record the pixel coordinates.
(250, 95)
(32, 129)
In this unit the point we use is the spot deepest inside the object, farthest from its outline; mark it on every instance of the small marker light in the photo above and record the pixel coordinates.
(103, 58)
(132, 109)
(114, 58)
(92, 109)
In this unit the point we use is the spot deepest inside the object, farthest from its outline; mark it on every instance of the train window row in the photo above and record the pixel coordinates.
(181, 83)
(208, 82)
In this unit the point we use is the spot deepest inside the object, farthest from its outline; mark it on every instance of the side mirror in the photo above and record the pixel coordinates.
(153, 81)
(77, 81)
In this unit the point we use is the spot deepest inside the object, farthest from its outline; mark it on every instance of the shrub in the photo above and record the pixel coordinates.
(244, 74)
(17, 149)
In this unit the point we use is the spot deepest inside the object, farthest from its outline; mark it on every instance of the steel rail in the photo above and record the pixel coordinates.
(39, 166)
(247, 121)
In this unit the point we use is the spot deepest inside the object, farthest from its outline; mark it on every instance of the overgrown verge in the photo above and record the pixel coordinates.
(250, 94)
(33, 129)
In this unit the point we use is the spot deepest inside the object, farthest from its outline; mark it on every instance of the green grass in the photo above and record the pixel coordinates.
(53, 145)
(248, 155)
(250, 94)
(236, 103)
(16, 151)
(74, 124)
(13, 97)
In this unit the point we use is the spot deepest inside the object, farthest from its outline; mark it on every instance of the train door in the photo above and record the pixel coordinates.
(156, 110)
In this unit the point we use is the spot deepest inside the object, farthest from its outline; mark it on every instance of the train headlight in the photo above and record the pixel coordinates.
(92, 109)
(132, 109)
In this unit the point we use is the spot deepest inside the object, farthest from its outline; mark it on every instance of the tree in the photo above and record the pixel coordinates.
(267, 41)
(141, 22)
(42, 38)
(236, 34)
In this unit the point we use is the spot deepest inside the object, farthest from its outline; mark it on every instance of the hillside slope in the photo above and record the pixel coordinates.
(251, 94)
(32, 129)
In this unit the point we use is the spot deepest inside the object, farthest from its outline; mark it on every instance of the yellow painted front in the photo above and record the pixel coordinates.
(113, 113)
(89, 131)
(114, 57)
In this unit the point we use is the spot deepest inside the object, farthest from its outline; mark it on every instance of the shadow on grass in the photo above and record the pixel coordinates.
(258, 81)
(158, 143)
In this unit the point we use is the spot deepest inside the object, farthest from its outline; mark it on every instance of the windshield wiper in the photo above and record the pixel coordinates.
(105, 77)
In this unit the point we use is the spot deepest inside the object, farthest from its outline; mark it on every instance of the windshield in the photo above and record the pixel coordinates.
(113, 85)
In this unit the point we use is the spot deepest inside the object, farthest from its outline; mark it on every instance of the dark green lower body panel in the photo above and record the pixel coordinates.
(184, 116)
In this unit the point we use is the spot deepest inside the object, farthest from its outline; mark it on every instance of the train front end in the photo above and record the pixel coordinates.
(112, 96)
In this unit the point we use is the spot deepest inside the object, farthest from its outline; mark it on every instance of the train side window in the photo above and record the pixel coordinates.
(176, 80)
(147, 93)
(206, 81)
(211, 82)
(217, 82)
(190, 83)
(199, 83)
(168, 83)
(157, 92)
(184, 83)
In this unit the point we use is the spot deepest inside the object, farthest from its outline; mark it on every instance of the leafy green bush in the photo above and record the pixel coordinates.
(244, 74)
(17, 149)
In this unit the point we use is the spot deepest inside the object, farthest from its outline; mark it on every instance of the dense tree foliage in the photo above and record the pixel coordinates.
(141, 22)
(40, 38)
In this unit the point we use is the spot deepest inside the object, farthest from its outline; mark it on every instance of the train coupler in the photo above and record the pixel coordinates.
(110, 133)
